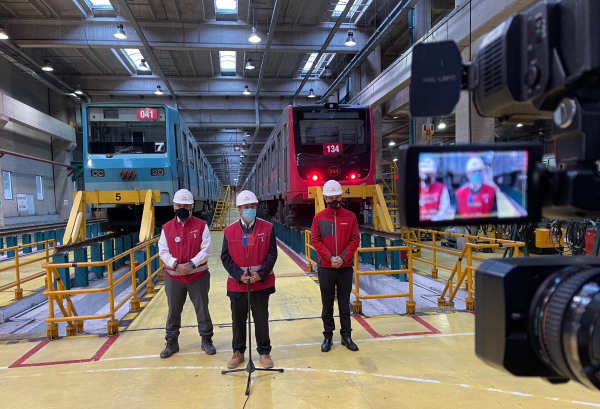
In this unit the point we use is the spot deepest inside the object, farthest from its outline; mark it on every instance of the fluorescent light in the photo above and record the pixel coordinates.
(246, 91)
(311, 94)
(254, 38)
(249, 65)
(159, 90)
(47, 66)
(519, 125)
(350, 42)
(78, 91)
(3, 35)
(442, 125)
(120, 34)
(392, 143)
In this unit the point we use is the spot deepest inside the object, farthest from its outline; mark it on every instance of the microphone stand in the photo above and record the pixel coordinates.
(250, 366)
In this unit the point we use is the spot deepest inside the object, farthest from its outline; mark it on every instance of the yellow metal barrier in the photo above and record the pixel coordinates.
(457, 271)
(357, 305)
(76, 226)
(20, 263)
(75, 321)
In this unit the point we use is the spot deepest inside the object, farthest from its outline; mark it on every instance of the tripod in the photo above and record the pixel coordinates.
(250, 366)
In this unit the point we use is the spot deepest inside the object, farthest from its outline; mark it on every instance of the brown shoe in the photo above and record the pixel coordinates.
(236, 360)
(266, 361)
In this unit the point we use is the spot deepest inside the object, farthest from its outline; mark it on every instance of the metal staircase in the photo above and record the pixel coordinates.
(222, 208)
(389, 191)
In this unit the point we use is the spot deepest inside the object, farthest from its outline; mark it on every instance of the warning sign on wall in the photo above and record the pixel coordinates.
(21, 202)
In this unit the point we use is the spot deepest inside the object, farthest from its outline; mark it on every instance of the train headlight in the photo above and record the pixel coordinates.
(157, 172)
(97, 173)
(315, 177)
(353, 176)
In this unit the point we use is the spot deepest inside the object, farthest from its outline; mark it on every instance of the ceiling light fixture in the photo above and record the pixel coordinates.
(47, 66)
(254, 38)
(395, 159)
(392, 143)
(442, 125)
(519, 125)
(120, 34)
(249, 65)
(246, 91)
(311, 94)
(327, 71)
(159, 90)
(246, 134)
(143, 66)
(78, 91)
(3, 35)
(350, 42)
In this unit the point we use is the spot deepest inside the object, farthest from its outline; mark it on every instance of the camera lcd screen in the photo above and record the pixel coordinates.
(473, 185)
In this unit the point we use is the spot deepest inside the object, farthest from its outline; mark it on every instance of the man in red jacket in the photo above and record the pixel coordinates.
(259, 248)
(476, 198)
(185, 247)
(335, 236)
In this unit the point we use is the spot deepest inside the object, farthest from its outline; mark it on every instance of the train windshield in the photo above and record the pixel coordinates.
(318, 128)
(131, 130)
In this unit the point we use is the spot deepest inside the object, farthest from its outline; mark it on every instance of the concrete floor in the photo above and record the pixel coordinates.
(403, 362)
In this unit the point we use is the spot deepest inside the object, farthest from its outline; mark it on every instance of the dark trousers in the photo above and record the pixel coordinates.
(176, 296)
(328, 279)
(260, 316)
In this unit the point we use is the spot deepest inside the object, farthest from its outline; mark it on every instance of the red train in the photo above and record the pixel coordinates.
(310, 145)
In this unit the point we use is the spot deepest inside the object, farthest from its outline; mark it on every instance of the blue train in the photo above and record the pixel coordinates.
(144, 146)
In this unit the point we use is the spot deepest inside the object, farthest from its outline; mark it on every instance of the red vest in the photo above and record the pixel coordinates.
(475, 205)
(429, 200)
(188, 246)
(258, 253)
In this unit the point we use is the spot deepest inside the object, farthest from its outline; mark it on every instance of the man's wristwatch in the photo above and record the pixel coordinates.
(191, 263)
(175, 265)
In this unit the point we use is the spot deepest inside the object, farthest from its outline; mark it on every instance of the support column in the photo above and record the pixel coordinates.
(81, 273)
(481, 129)
(422, 18)
(380, 256)
(377, 118)
(26, 239)
(63, 186)
(97, 256)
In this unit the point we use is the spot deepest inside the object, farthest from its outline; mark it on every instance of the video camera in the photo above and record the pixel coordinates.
(535, 316)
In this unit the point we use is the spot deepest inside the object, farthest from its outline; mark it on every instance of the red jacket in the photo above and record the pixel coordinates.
(257, 253)
(429, 200)
(189, 244)
(480, 204)
(335, 233)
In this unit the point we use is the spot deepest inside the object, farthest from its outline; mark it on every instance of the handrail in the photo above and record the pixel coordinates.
(75, 321)
(457, 271)
(18, 264)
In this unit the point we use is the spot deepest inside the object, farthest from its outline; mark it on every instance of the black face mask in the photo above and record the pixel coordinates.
(182, 213)
(334, 204)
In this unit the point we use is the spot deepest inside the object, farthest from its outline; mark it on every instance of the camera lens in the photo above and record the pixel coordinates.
(566, 320)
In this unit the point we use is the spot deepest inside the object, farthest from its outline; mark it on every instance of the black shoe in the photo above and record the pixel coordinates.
(207, 345)
(171, 348)
(326, 346)
(348, 343)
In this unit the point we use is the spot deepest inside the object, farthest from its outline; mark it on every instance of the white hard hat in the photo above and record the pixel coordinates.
(245, 197)
(427, 165)
(474, 164)
(183, 196)
(332, 188)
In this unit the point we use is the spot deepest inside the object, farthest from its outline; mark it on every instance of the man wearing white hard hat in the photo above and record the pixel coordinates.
(335, 236)
(434, 199)
(185, 247)
(476, 198)
(249, 240)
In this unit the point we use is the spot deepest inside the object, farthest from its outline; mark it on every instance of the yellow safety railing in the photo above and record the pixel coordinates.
(19, 262)
(75, 321)
(221, 209)
(357, 304)
(389, 191)
(473, 244)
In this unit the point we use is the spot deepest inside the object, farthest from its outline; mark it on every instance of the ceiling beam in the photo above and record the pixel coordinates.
(153, 61)
(166, 35)
(52, 7)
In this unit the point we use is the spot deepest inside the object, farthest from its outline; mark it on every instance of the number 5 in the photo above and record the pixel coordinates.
(118, 197)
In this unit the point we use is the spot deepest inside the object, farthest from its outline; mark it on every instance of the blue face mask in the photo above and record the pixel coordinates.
(477, 179)
(249, 215)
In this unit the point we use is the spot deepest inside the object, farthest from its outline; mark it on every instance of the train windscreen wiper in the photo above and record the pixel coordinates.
(122, 150)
